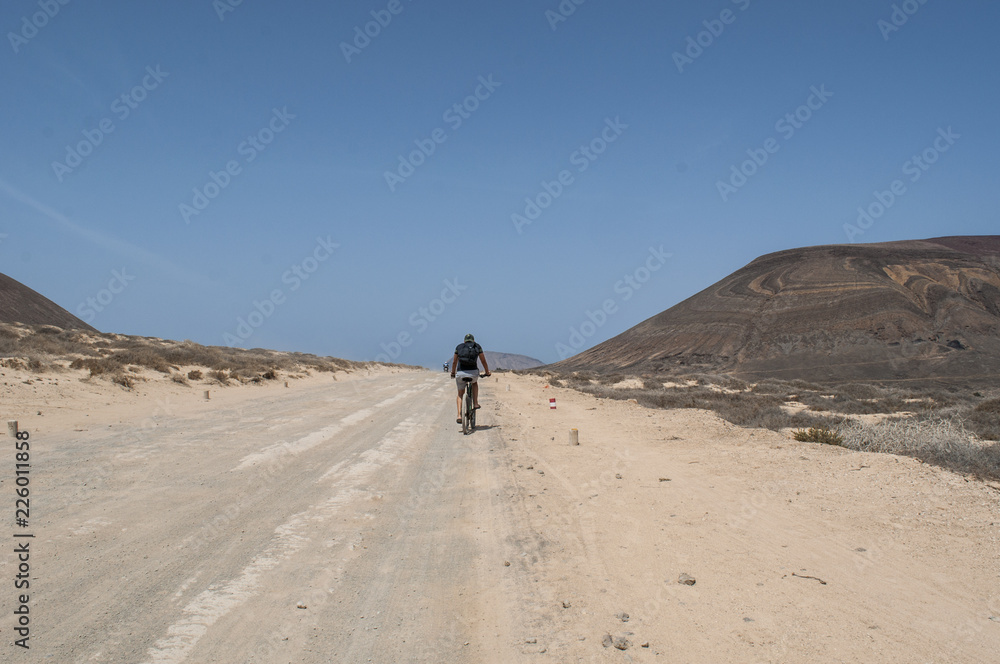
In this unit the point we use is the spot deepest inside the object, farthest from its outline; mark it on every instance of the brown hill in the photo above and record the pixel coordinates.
(913, 310)
(20, 304)
(509, 361)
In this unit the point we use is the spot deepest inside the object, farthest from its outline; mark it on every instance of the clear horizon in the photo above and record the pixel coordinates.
(374, 181)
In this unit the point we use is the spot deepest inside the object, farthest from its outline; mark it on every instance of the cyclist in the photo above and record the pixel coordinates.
(463, 365)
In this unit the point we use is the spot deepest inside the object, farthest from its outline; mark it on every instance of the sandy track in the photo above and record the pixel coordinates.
(204, 531)
(188, 531)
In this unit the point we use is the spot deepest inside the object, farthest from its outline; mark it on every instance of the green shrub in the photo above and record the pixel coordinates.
(818, 435)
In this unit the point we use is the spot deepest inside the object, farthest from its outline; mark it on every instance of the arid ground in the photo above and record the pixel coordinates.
(345, 518)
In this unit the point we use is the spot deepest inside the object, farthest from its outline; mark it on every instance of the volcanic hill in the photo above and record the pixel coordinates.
(914, 310)
(509, 361)
(20, 304)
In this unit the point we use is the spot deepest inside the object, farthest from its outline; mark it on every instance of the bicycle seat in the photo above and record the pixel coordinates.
(466, 379)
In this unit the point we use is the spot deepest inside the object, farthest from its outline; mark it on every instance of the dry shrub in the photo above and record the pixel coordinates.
(611, 379)
(943, 442)
(747, 409)
(220, 376)
(40, 345)
(123, 379)
(179, 378)
(984, 419)
(195, 374)
(97, 366)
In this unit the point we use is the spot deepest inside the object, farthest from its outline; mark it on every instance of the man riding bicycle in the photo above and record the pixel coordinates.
(463, 365)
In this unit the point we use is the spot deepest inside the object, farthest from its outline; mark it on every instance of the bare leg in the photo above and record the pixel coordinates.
(475, 395)
(458, 402)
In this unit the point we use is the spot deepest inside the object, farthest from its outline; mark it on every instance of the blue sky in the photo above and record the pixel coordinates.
(543, 174)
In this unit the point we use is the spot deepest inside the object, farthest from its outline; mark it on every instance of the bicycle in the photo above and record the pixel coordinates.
(469, 410)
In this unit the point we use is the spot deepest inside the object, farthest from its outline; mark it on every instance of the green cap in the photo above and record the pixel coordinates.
(469, 337)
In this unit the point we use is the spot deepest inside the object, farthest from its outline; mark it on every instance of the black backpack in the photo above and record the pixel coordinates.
(468, 352)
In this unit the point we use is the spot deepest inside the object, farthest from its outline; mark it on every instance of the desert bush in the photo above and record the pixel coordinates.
(179, 378)
(741, 408)
(220, 376)
(818, 435)
(579, 378)
(859, 391)
(270, 374)
(123, 379)
(943, 442)
(984, 419)
(803, 386)
(775, 387)
(195, 374)
(97, 366)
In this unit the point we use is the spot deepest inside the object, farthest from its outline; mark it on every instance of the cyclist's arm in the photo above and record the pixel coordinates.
(482, 358)
(454, 364)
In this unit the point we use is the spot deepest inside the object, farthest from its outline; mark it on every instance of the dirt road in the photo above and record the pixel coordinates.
(350, 521)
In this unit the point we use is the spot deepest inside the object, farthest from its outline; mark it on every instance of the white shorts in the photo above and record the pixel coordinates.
(459, 375)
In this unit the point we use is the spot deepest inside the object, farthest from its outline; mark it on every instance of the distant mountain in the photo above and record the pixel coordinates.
(913, 310)
(20, 304)
(509, 361)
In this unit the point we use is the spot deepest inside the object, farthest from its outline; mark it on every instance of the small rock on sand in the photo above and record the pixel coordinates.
(607, 640)
(686, 579)
(622, 643)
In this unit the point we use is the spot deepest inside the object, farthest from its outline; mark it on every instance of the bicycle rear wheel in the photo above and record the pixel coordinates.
(468, 414)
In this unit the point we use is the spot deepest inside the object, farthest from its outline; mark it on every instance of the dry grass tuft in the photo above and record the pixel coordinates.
(943, 442)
